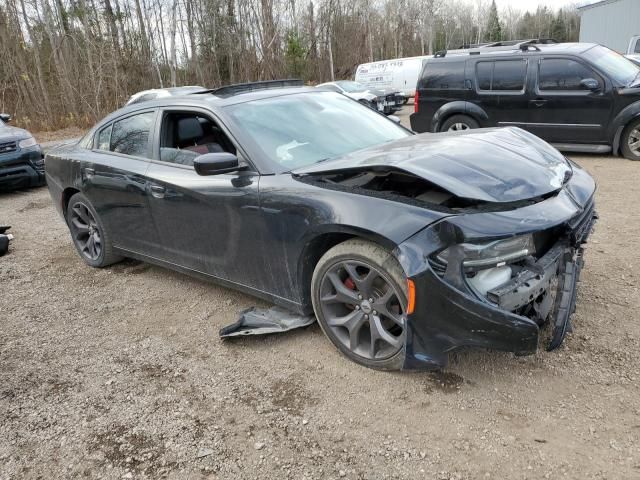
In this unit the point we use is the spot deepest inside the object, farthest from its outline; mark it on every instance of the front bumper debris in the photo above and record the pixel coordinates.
(5, 239)
(258, 321)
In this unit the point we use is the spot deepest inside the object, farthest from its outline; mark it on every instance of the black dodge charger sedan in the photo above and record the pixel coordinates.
(21, 162)
(405, 246)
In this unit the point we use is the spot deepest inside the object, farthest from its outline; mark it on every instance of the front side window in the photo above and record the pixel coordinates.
(130, 136)
(562, 74)
(187, 135)
(302, 129)
(503, 75)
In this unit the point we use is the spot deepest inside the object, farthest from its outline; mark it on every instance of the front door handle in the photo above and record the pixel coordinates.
(538, 102)
(157, 191)
(89, 172)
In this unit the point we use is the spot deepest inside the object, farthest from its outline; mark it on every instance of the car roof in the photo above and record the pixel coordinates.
(552, 48)
(206, 98)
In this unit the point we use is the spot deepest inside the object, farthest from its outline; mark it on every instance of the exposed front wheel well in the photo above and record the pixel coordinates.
(314, 250)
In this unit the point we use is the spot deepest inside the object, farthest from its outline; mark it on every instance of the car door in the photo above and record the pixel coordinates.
(501, 90)
(563, 108)
(209, 224)
(114, 179)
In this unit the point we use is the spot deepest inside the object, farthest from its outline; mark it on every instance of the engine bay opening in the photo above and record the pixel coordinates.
(393, 183)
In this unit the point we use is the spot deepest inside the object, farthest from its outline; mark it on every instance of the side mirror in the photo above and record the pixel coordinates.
(5, 117)
(590, 84)
(393, 118)
(216, 163)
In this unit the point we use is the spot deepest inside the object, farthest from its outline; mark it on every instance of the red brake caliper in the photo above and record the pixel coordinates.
(349, 283)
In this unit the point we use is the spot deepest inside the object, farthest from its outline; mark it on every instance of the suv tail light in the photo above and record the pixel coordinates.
(415, 102)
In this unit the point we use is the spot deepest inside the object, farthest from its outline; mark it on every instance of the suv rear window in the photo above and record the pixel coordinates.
(501, 75)
(444, 75)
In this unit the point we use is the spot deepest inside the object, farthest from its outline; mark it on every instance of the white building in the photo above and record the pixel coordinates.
(611, 23)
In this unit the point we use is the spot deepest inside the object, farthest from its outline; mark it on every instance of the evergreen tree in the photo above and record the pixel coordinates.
(494, 29)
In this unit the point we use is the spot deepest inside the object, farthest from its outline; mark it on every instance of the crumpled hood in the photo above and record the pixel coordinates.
(492, 165)
(12, 134)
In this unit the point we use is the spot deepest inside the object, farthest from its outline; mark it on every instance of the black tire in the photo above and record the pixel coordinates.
(81, 214)
(459, 122)
(388, 273)
(630, 141)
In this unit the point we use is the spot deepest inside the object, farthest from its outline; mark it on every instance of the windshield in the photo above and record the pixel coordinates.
(621, 69)
(302, 129)
(351, 87)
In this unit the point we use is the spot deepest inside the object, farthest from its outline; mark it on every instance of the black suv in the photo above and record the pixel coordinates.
(578, 96)
(21, 160)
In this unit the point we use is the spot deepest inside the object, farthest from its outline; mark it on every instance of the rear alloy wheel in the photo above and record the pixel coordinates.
(88, 233)
(359, 296)
(456, 123)
(630, 142)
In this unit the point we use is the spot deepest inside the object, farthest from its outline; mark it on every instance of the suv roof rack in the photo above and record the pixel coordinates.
(508, 45)
(238, 88)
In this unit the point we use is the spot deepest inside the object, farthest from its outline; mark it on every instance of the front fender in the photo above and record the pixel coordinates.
(615, 128)
(458, 107)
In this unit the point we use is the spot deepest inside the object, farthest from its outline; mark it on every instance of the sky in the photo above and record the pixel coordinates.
(533, 4)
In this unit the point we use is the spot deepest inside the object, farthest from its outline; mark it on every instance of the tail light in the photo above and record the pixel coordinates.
(415, 102)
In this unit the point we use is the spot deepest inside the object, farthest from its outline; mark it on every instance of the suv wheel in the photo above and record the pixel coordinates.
(456, 123)
(359, 296)
(630, 141)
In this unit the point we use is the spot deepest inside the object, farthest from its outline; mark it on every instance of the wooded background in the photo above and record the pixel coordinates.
(70, 62)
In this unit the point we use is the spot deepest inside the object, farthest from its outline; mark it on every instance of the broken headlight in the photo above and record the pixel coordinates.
(477, 256)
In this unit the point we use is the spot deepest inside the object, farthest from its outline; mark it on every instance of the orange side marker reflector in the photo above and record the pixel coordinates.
(411, 294)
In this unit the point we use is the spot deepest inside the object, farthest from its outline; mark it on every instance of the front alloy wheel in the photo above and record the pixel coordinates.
(360, 304)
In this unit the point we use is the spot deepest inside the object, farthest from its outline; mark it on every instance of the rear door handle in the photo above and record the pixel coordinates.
(157, 191)
(89, 172)
(539, 102)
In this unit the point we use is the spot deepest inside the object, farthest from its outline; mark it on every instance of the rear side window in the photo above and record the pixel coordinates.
(502, 75)
(562, 74)
(443, 75)
(130, 136)
(104, 138)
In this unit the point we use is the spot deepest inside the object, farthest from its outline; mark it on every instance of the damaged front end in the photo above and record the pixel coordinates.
(496, 279)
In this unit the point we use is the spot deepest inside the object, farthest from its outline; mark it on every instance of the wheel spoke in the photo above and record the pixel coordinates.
(346, 320)
(378, 332)
(364, 282)
(82, 213)
(343, 294)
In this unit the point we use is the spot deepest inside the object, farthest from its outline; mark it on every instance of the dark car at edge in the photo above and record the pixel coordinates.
(577, 96)
(405, 246)
(21, 160)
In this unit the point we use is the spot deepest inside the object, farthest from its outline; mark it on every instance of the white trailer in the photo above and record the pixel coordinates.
(399, 74)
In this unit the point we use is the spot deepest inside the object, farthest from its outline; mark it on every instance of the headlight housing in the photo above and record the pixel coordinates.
(27, 142)
(477, 256)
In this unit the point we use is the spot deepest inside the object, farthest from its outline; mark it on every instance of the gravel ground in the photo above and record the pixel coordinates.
(119, 373)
